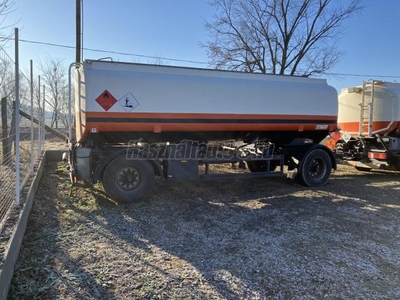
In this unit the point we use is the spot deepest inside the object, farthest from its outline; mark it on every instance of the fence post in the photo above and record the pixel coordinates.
(4, 129)
(44, 117)
(17, 106)
(32, 136)
(40, 123)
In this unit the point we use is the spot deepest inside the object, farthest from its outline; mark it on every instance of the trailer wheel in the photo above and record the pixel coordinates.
(128, 181)
(316, 168)
(261, 166)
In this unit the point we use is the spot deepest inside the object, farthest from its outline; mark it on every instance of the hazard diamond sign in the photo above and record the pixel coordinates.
(128, 102)
(106, 100)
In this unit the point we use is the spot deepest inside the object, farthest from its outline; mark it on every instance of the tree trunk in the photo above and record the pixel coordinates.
(11, 136)
(4, 129)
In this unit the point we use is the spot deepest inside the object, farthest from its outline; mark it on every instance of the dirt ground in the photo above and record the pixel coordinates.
(233, 239)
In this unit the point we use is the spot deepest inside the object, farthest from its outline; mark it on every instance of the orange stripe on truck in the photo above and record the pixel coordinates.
(119, 115)
(380, 127)
(159, 122)
(155, 127)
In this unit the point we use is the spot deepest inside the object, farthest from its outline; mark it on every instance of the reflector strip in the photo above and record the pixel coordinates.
(377, 155)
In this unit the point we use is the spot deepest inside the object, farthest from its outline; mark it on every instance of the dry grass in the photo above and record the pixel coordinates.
(241, 239)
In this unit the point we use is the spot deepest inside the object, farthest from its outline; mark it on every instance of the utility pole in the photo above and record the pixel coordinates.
(78, 31)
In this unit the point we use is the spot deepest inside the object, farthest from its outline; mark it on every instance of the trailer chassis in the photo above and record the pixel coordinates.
(128, 171)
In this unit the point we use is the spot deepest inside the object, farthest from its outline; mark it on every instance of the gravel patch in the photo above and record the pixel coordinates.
(233, 239)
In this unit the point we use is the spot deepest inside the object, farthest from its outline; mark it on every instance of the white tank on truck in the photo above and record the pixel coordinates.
(369, 119)
(138, 121)
(371, 108)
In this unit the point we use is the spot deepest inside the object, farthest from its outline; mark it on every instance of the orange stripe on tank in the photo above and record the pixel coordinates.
(354, 127)
(156, 127)
(204, 116)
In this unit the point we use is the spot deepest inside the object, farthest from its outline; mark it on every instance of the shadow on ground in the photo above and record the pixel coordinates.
(239, 239)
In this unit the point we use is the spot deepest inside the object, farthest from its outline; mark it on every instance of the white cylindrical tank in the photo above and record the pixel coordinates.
(134, 99)
(384, 100)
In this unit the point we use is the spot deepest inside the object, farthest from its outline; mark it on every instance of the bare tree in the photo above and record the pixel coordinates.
(54, 75)
(6, 7)
(296, 37)
(7, 77)
(7, 91)
(63, 116)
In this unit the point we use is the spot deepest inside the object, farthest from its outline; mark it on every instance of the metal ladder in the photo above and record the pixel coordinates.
(367, 108)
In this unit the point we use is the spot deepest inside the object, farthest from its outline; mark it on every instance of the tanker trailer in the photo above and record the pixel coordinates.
(369, 119)
(135, 122)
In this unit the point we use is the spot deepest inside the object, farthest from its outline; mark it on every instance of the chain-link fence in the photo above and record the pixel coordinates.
(22, 134)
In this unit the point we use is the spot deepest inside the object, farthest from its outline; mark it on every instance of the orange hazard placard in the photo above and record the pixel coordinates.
(106, 100)
(336, 136)
(330, 144)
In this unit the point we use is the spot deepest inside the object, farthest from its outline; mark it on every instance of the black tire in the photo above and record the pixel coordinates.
(261, 165)
(316, 168)
(127, 181)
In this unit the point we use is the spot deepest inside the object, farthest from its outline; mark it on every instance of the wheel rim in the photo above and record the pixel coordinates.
(317, 168)
(128, 178)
